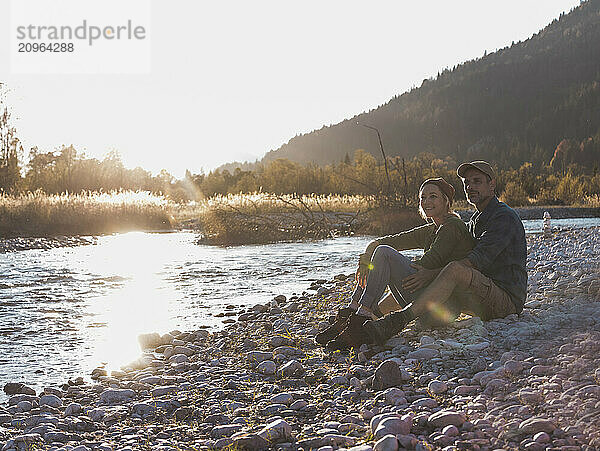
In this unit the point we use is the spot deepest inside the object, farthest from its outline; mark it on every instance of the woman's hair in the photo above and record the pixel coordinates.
(445, 188)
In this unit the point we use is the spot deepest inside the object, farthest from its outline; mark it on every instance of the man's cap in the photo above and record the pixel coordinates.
(480, 165)
(443, 185)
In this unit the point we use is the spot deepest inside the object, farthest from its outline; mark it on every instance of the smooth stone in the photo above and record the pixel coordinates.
(361, 448)
(50, 400)
(387, 443)
(96, 414)
(529, 396)
(17, 388)
(437, 387)
(56, 436)
(299, 404)
(249, 441)
(143, 409)
(513, 367)
(178, 358)
(25, 406)
(282, 398)
(387, 375)
(16, 399)
(450, 431)
(465, 390)
(534, 425)
(394, 396)
(376, 419)
(267, 367)
(151, 380)
(393, 426)
(183, 350)
(225, 430)
(276, 431)
(542, 437)
(165, 390)
(428, 403)
(540, 370)
(73, 408)
(291, 368)
(116, 396)
(338, 380)
(423, 354)
(444, 418)
(259, 356)
(476, 347)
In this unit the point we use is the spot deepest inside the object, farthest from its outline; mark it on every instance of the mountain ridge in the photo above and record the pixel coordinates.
(512, 105)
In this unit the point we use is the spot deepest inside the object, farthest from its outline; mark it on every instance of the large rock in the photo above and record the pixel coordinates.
(56, 436)
(443, 418)
(387, 443)
(116, 396)
(26, 441)
(290, 369)
(423, 354)
(143, 409)
(165, 390)
(437, 387)
(225, 430)
(266, 367)
(51, 400)
(249, 441)
(393, 426)
(387, 375)
(532, 426)
(276, 431)
(258, 356)
(17, 388)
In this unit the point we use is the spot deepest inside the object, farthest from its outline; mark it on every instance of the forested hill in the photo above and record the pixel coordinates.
(511, 106)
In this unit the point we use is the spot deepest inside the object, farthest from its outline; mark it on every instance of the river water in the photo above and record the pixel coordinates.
(64, 311)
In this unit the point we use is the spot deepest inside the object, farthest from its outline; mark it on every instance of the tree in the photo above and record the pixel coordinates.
(10, 149)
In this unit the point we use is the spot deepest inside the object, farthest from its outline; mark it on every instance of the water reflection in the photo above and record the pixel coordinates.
(63, 311)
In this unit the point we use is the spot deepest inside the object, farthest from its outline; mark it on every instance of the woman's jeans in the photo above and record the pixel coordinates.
(390, 267)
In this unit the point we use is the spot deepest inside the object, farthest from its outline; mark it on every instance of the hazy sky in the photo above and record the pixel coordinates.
(231, 80)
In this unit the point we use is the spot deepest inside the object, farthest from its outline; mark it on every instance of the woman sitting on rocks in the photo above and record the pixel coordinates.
(444, 238)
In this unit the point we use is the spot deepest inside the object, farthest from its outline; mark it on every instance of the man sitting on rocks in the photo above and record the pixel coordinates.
(491, 282)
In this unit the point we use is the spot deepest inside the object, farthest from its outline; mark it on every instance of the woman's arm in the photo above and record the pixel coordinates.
(410, 239)
(450, 238)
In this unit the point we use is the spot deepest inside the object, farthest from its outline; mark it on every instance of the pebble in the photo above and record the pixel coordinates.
(387, 443)
(445, 417)
(267, 367)
(437, 387)
(528, 381)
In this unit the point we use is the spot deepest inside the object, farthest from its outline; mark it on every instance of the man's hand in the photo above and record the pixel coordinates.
(419, 279)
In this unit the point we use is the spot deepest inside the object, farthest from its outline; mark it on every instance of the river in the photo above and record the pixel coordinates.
(63, 311)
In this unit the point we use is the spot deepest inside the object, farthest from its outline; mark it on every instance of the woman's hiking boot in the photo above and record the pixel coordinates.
(341, 320)
(352, 336)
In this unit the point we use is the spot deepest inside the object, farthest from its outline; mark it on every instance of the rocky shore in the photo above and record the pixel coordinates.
(556, 212)
(530, 381)
(24, 244)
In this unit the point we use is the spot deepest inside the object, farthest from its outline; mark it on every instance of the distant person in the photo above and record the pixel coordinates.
(444, 238)
(491, 282)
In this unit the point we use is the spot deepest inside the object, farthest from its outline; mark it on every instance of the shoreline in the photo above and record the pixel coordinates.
(529, 381)
(14, 244)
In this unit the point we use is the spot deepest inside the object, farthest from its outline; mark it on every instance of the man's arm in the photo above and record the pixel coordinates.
(496, 237)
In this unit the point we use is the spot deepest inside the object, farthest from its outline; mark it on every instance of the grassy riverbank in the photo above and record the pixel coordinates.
(226, 220)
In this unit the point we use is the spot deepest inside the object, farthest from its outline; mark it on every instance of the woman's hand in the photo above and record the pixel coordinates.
(420, 279)
(363, 271)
